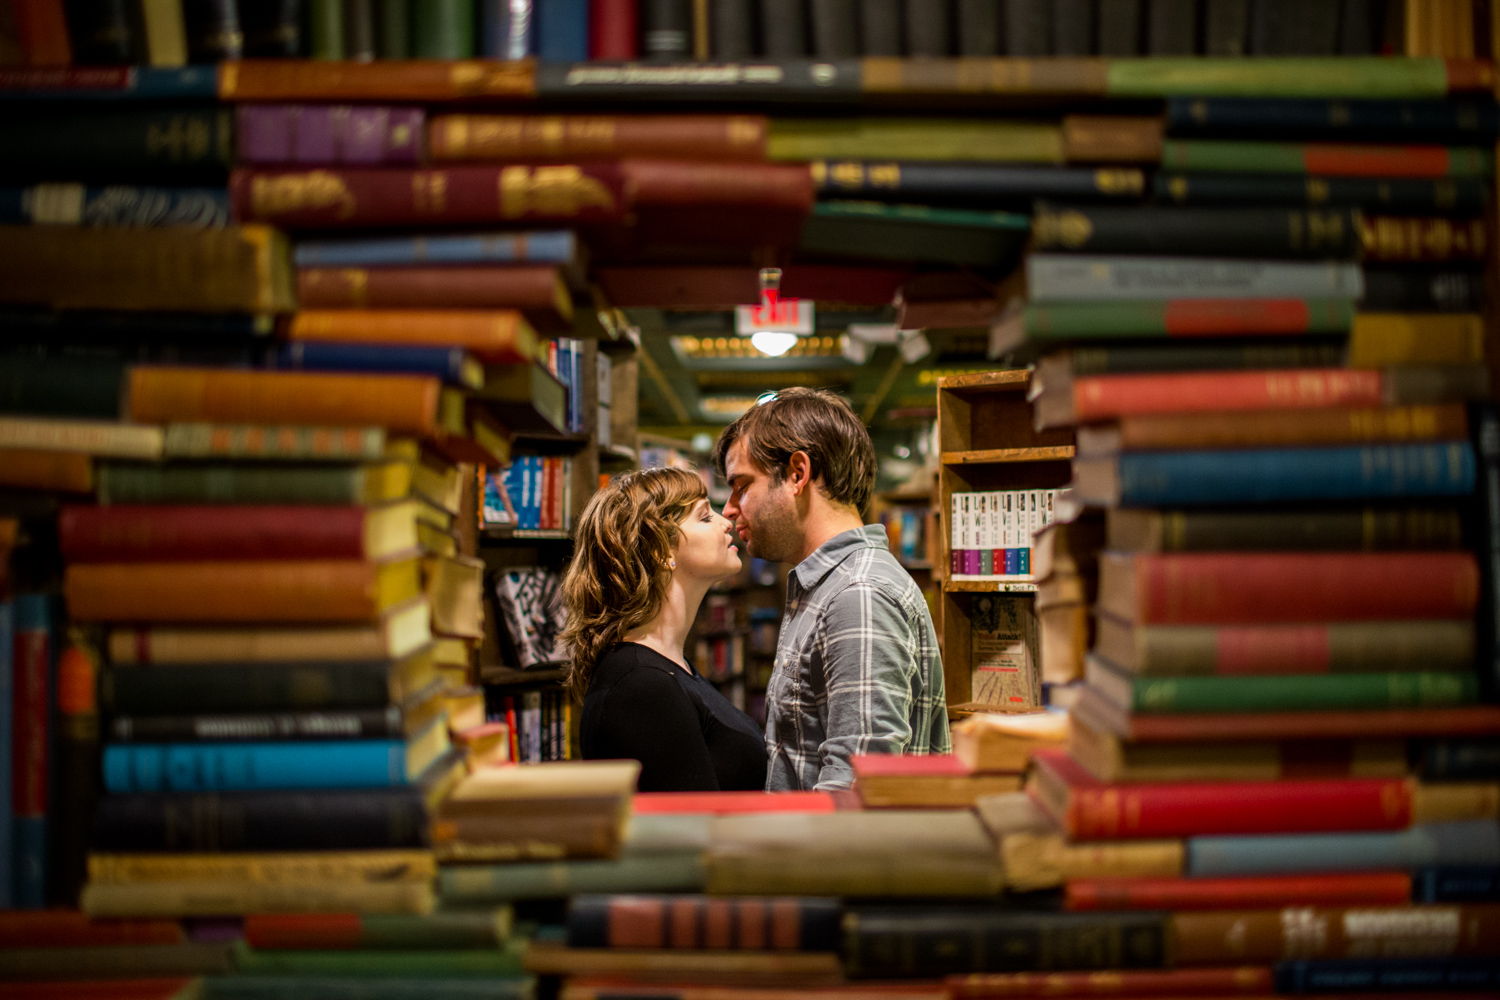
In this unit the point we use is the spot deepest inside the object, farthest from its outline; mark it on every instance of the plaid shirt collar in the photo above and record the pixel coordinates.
(834, 551)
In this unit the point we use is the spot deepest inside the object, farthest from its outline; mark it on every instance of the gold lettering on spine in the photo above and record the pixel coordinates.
(745, 131)
(1130, 182)
(285, 193)
(556, 191)
(429, 192)
(885, 175)
(1066, 229)
(455, 134)
(358, 281)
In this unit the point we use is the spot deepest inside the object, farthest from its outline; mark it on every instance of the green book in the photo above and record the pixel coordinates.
(473, 884)
(443, 29)
(504, 960)
(1201, 318)
(951, 139)
(1346, 76)
(914, 232)
(259, 987)
(1333, 160)
(1281, 693)
(393, 29)
(224, 483)
(487, 928)
(325, 29)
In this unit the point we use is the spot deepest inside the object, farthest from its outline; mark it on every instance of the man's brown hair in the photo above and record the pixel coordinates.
(814, 421)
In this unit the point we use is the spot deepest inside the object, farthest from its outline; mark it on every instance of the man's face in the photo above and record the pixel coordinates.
(763, 510)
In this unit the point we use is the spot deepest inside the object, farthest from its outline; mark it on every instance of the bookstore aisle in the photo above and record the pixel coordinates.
(321, 322)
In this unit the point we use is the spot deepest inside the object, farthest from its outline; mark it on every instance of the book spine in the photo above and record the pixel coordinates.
(105, 965)
(1261, 476)
(1456, 121)
(42, 32)
(124, 144)
(1241, 980)
(1384, 975)
(612, 30)
(970, 182)
(1462, 196)
(1278, 935)
(1388, 238)
(31, 747)
(8, 755)
(252, 687)
(359, 30)
(1306, 78)
(1223, 232)
(783, 29)
(101, 33)
(1373, 889)
(1122, 359)
(82, 387)
(1301, 693)
(383, 198)
(1367, 529)
(75, 773)
(1129, 812)
(1069, 278)
(339, 820)
(181, 533)
(1322, 160)
(492, 963)
(198, 767)
(1188, 318)
(928, 30)
(290, 591)
(897, 944)
(117, 205)
(370, 724)
(1456, 884)
(1293, 427)
(263, 868)
(393, 30)
(1204, 588)
(1461, 760)
(1171, 28)
(1390, 289)
(666, 30)
(476, 884)
(57, 928)
(695, 922)
(880, 28)
(558, 247)
(835, 29)
(234, 899)
(228, 484)
(173, 395)
(1296, 649)
(331, 134)
(1474, 842)
(447, 363)
(213, 30)
(563, 30)
(271, 30)
(477, 929)
(325, 30)
(554, 137)
(443, 29)
(1104, 396)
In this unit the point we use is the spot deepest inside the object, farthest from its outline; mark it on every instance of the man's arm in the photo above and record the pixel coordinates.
(869, 659)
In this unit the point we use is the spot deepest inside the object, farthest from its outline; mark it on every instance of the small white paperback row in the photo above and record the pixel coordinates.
(991, 533)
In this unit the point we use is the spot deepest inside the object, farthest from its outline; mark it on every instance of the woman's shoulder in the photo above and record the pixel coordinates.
(635, 666)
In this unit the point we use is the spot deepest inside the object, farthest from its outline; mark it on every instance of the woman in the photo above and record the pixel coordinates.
(649, 547)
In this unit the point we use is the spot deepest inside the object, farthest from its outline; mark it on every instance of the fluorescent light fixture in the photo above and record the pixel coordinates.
(773, 343)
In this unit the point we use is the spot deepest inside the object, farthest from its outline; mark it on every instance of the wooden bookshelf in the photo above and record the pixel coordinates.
(986, 441)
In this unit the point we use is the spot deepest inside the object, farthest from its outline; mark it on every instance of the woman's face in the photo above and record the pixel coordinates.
(707, 550)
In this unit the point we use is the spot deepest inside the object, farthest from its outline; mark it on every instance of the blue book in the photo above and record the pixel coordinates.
(235, 767)
(7, 680)
(451, 364)
(1456, 884)
(1387, 975)
(111, 83)
(1474, 842)
(1270, 475)
(562, 30)
(507, 29)
(31, 630)
(575, 386)
(547, 247)
(116, 205)
(534, 477)
(1335, 120)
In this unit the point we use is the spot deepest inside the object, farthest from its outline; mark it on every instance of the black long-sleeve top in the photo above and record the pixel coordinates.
(687, 736)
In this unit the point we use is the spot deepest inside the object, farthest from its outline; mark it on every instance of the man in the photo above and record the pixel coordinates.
(857, 664)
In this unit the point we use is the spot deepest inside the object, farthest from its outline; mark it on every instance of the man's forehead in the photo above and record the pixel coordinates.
(737, 461)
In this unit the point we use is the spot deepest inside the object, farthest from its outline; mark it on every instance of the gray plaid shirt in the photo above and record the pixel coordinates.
(857, 666)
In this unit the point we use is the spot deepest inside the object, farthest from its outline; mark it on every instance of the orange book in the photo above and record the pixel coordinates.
(495, 336)
(553, 138)
(66, 472)
(417, 80)
(321, 590)
(402, 403)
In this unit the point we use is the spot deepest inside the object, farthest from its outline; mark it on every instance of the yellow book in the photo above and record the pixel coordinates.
(1379, 340)
(960, 139)
(1045, 860)
(272, 868)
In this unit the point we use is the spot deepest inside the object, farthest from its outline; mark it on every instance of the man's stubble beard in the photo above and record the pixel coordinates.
(774, 534)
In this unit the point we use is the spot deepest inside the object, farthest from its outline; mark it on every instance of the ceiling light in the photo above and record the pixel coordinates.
(773, 343)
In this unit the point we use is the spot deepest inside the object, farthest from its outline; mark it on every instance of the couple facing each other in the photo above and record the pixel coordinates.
(857, 667)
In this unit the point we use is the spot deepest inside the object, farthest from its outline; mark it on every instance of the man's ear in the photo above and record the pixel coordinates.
(799, 472)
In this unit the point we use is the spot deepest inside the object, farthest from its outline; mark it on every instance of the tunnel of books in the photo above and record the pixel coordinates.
(321, 321)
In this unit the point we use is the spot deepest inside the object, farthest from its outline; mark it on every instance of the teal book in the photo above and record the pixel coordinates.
(468, 885)
(242, 483)
(1281, 693)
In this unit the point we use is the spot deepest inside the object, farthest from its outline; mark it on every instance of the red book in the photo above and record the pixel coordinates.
(1089, 809)
(1243, 588)
(1237, 981)
(1365, 889)
(71, 929)
(1347, 160)
(353, 199)
(1472, 720)
(777, 186)
(42, 32)
(104, 989)
(886, 765)
(151, 533)
(612, 29)
(731, 803)
(1103, 397)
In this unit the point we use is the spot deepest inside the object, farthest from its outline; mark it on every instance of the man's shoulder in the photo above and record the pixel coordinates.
(876, 573)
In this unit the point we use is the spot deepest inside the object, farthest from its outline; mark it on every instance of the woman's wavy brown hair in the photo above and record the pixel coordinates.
(621, 562)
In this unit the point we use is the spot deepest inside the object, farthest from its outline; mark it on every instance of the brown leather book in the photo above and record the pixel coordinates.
(495, 336)
(539, 293)
(416, 80)
(572, 138)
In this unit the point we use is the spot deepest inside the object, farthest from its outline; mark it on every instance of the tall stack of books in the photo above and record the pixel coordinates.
(1280, 721)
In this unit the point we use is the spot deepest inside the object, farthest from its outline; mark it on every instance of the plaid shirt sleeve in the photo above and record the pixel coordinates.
(871, 651)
